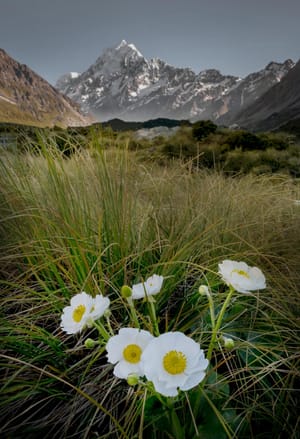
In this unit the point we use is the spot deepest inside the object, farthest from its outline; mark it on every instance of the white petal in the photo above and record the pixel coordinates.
(114, 349)
(82, 299)
(138, 291)
(258, 278)
(100, 305)
(175, 380)
(143, 338)
(193, 380)
(161, 388)
(123, 369)
(154, 284)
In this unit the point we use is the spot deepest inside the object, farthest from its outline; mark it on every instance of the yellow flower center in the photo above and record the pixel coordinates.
(132, 353)
(78, 313)
(241, 273)
(174, 362)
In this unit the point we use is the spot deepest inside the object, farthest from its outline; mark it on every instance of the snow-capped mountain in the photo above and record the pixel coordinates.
(123, 83)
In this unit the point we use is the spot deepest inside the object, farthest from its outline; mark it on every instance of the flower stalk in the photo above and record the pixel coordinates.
(102, 331)
(133, 312)
(204, 290)
(107, 317)
(152, 314)
(217, 326)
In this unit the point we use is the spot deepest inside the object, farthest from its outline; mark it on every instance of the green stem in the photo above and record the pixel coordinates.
(218, 324)
(102, 331)
(133, 312)
(109, 326)
(175, 424)
(211, 309)
(169, 404)
(152, 313)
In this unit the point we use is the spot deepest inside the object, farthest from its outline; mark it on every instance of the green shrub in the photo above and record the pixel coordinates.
(272, 140)
(244, 140)
(180, 150)
(203, 128)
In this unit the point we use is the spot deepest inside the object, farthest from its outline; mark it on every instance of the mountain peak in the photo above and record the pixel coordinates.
(127, 47)
(122, 44)
(114, 59)
(275, 66)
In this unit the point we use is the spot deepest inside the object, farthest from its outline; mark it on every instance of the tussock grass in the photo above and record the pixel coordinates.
(101, 219)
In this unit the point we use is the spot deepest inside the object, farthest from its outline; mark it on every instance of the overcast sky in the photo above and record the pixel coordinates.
(235, 36)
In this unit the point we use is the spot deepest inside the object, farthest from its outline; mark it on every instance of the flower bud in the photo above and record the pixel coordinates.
(203, 290)
(107, 313)
(228, 342)
(132, 379)
(126, 291)
(90, 343)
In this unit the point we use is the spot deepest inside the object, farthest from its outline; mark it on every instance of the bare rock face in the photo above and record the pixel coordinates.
(123, 84)
(27, 98)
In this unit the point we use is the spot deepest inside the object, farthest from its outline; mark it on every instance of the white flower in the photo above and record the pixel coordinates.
(126, 350)
(84, 309)
(242, 277)
(173, 361)
(148, 288)
(99, 307)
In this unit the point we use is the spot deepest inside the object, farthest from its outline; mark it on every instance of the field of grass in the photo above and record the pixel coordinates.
(103, 218)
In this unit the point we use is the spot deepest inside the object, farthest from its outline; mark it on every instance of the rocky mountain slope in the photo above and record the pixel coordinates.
(122, 83)
(248, 90)
(27, 98)
(278, 105)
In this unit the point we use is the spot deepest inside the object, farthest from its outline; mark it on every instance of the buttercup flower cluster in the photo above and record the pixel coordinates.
(170, 361)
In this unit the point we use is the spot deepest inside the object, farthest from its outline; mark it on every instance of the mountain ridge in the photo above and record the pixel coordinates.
(123, 84)
(276, 106)
(26, 97)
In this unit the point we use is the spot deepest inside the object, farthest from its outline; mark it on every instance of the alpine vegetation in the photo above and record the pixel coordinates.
(141, 300)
